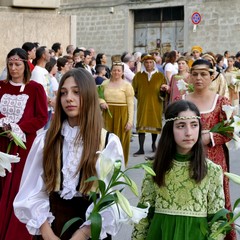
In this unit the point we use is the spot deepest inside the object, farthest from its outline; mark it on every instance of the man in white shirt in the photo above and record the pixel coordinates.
(42, 76)
(128, 62)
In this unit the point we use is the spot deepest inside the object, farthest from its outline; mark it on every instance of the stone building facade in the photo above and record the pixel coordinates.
(111, 27)
(43, 25)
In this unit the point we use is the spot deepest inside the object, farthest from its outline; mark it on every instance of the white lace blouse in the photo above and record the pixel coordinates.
(31, 205)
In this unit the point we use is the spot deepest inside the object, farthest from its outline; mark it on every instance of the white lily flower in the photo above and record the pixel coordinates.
(139, 213)
(7, 159)
(2, 172)
(233, 80)
(117, 164)
(236, 141)
(234, 177)
(182, 85)
(228, 110)
(236, 124)
(106, 165)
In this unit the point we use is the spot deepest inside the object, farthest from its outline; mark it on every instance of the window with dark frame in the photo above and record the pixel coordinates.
(159, 14)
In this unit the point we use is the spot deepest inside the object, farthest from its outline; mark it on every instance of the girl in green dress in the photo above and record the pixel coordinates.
(188, 188)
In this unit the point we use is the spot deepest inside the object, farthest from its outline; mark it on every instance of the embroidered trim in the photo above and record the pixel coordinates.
(182, 118)
(181, 213)
(16, 58)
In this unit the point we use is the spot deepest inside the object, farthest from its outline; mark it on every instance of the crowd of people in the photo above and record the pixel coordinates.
(68, 108)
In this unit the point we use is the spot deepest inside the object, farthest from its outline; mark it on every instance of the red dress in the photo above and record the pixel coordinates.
(218, 152)
(27, 110)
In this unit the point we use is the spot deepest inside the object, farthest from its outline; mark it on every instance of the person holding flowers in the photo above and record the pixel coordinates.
(183, 74)
(23, 111)
(232, 75)
(118, 101)
(62, 159)
(211, 105)
(188, 189)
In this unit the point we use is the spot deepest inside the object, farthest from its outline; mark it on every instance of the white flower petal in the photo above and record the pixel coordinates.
(228, 110)
(2, 172)
(181, 85)
(236, 124)
(106, 165)
(139, 213)
(7, 159)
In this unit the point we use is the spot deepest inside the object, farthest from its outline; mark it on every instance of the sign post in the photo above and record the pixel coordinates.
(196, 19)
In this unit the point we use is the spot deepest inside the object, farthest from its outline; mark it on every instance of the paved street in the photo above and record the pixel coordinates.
(137, 175)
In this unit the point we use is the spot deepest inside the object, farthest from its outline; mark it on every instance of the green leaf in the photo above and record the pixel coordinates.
(115, 174)
(91, 179)
(93, 196)
(236, 203)
(102, 186)
(220, 214)
(68, 224)
(100, 91)
(119, 183)
(96, 225)
(17, 140)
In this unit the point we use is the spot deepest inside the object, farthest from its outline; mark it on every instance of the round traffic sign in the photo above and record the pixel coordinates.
(196, 18)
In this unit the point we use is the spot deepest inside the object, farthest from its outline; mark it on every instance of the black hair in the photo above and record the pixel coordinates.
(61, 62)
(99, 57)
(203, 62)
(28, 46)
(56, 46)
(24, 56)
(166, 149)
(39, 52)
(49, 65)
(87, 53)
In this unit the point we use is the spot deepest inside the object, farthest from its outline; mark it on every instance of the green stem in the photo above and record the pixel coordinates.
(231, 221)
(110, 114)
(9, 147)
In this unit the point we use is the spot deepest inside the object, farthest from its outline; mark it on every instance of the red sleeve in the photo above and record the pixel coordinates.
(40, 116)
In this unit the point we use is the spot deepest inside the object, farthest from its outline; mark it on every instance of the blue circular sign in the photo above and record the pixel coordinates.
(196, 18)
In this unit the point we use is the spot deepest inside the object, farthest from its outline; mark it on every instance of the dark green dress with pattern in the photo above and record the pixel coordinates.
(181, 208)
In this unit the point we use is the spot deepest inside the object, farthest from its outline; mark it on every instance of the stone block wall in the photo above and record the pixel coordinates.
(106, 32)
(46, 27)
(114, 33)
(219, 28)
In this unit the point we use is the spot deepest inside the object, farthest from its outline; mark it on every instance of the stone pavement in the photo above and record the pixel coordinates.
(137, 176)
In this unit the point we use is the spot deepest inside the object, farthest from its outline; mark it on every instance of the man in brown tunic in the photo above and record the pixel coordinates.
(149, 86)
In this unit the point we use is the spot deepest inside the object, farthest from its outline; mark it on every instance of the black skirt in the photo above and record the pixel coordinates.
(63, 210)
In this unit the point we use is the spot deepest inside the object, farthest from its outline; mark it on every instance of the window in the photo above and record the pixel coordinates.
(159, 14)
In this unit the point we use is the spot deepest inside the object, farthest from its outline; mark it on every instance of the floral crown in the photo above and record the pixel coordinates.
(182, 118)
(16, 58)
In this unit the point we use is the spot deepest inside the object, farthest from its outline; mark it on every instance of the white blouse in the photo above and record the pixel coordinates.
(31, 205)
